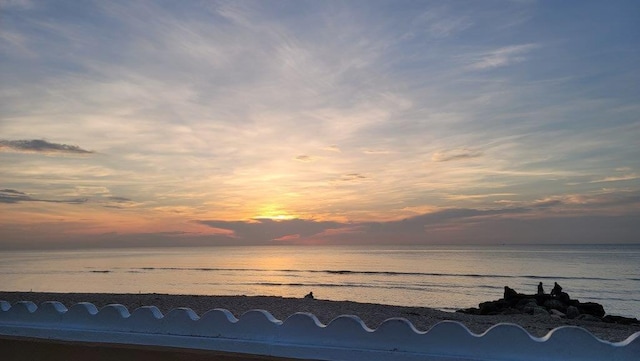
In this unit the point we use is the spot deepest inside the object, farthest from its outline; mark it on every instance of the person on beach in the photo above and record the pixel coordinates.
(540, 289)
(309, 296)
(557, 290)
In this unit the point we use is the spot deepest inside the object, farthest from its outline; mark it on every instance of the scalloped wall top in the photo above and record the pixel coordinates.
(305, 332)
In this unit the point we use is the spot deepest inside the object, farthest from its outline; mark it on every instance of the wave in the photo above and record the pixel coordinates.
(340, 285)
(381, 273)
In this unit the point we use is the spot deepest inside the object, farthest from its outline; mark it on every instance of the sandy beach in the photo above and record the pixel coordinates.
(423, 318)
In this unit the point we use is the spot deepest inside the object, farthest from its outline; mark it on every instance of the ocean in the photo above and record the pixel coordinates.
(442, 277)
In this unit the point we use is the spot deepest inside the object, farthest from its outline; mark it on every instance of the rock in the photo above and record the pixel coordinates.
(493, 307)
(469, 311)
(538, 304)
(509, 293)
(526, 302)
(511, 311)
(553, 304)
(621, 320)
(587, 317)
(535, 310)
(591, 308)
(572, 312)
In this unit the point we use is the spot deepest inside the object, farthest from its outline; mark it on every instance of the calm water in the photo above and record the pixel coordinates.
(441, 277)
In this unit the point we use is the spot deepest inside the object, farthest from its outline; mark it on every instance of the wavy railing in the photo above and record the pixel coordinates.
(303, 336)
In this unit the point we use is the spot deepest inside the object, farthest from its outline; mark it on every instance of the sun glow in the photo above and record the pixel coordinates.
(274, 212)
(278, 217)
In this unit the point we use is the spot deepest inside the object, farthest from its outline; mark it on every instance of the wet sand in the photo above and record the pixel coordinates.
(33, 349)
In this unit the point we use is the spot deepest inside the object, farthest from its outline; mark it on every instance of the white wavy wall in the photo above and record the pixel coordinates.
(303, 336)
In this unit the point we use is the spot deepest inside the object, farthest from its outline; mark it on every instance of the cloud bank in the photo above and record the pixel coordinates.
(41, 146)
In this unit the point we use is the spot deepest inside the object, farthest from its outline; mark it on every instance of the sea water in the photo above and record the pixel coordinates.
(443, 277)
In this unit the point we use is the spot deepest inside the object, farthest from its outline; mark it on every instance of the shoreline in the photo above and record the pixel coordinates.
(423, 318)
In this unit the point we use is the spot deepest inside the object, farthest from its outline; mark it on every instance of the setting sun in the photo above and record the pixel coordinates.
(274, 212)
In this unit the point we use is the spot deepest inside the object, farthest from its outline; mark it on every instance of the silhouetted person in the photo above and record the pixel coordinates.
(540, 289)
(557, 290)
(309, 296)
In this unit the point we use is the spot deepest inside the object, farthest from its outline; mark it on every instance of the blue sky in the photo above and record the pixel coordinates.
(205, 122)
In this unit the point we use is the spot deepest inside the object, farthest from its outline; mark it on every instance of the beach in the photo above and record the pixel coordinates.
(423, 318)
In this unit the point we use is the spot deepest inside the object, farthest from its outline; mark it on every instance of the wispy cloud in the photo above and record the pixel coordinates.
(501, 57)
(14, 196)
(351, 177)
(455, 154)
(625, 177)
(41, 146)
(305, 158)
(237, 110)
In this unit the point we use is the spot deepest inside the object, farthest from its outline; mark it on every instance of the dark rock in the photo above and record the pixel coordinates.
(574, 303)
(514, 302)
(586, 317)
(535, 310)
(510, 311)
(509, 293)
(526, 302)
(469, 311)
(572, 312)
(493, 307)
(591, 308)
(555, 305)
(621, 320)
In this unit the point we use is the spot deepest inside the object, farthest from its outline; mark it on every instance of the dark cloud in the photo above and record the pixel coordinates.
(262, 231)
(446, 226)
(119, 199)
(455, 154)
(304, 158)
(451, 226)
(266, 230)
(14, 196)
(352, 177)
(41, 146)
(548, 203)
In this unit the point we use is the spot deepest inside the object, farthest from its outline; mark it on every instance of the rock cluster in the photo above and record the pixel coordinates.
(558, 305)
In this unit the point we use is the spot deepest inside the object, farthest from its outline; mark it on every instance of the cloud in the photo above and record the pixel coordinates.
(605, 199)
(332, 148)
(263, 230)
(119, 199)
(501, 57)
(305, 158)
(14, 196)
(455, 154)
(40, 146)
(376, 151)
(352, 177)
(625, 177)
(454, 225)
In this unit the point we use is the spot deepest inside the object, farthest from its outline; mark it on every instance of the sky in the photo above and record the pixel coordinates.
(169, 123)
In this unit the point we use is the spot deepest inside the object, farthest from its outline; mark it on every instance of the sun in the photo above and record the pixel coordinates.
(279, 217)
(274, 212)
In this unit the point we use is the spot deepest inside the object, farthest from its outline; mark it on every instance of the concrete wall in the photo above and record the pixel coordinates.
(303, 336)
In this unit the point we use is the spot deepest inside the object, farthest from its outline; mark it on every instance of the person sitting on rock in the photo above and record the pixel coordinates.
(540, 289)
(557, 290)
(309, 296)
